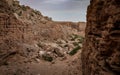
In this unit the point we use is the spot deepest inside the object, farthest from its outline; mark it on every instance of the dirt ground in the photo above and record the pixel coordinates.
(71, 65)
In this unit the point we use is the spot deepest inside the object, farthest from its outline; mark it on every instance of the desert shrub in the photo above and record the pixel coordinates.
(81, 39)
(24, 8)
(74, 51)
(47, 58)
(75, 43)
(77, 37)
(73, 37)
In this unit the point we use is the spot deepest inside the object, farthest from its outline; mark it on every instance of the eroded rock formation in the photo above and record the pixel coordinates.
(101, 54)
(29, 38)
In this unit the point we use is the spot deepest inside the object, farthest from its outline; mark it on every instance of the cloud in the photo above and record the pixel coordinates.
(68, 9)
(55, 1)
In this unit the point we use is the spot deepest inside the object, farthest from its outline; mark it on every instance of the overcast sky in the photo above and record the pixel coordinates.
(60, 10)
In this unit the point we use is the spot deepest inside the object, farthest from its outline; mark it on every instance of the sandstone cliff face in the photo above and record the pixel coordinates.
(101, 53)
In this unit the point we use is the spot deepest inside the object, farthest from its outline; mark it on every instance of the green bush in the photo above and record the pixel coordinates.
(81, 39)
(74, 51)
(73, 37)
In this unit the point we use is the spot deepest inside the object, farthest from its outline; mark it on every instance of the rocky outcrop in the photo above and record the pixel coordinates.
(101, 52)
(26, 14)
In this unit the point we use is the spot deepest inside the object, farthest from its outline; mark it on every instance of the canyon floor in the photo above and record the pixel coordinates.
(68, 65)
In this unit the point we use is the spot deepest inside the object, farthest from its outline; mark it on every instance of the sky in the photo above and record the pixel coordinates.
(60, 10)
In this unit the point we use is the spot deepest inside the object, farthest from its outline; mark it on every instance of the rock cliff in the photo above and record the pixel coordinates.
(101, 52)
(42, 27)
(12, 32)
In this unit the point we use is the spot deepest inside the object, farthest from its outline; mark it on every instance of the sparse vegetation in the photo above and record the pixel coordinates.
(47, 58)
(77, 40)
(24, 8)
(81, 39)
(75, 36)
(74, 51)
(75, 43)
(37, 12)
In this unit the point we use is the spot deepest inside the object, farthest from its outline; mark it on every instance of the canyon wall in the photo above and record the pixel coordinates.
(43, 27)
(101, 52)
(22, 29)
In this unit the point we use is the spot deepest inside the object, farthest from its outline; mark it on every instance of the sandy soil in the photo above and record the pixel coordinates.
(71, 65)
